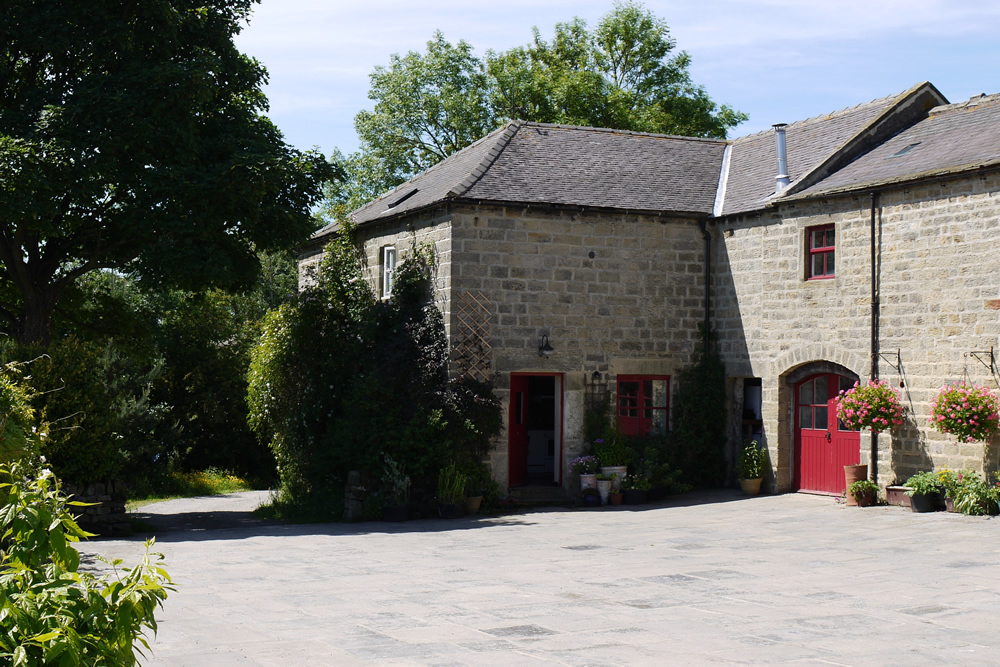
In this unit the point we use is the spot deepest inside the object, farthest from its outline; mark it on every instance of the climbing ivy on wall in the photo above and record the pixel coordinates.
(341, 378)
(699, 418)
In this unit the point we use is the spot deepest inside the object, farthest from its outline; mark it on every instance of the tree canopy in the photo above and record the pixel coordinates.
(625, 73)
(133, 137)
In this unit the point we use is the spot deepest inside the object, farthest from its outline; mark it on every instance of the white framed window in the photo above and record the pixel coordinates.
(388, 269)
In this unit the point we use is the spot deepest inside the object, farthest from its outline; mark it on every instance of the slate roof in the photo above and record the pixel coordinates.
(953, 138)
(818, 146)
(540, 163)
(555, 164)
(560, 165)
(754, 162)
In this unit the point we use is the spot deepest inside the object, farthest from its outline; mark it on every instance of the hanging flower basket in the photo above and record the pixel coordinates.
(873, 405)
(968, 412)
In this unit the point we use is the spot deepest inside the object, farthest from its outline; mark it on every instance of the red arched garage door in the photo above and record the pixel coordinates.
(822, 445)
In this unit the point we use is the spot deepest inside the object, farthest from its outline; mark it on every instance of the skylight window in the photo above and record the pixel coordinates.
(402, 199)
(903, 151)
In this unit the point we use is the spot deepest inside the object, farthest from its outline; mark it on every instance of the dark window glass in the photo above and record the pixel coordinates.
(820, 417)
(805, 416)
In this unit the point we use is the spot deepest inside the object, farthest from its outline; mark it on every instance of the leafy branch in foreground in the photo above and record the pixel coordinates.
(50, 612)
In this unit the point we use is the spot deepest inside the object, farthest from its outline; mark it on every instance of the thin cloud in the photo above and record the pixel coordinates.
(775, 59)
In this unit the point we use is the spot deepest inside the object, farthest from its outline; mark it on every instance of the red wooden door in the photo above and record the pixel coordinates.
(517, 431)
(822, 445)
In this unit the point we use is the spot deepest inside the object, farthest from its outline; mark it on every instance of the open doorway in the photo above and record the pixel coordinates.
(535, 430)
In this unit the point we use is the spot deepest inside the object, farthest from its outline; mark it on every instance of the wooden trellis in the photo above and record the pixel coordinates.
(472, 349)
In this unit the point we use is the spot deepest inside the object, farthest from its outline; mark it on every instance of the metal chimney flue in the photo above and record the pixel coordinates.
(781, 180)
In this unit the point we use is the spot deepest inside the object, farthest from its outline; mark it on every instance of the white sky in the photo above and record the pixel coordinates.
(777, 60)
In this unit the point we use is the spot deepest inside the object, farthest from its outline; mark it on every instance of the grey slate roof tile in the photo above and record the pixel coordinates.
(754, 162)
(565, 165)
(439, 182)
(955, 137)
(544, 164)
(538, 163)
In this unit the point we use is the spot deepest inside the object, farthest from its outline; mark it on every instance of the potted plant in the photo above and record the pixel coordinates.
(586, 467)
(636, 489)
(451, 492)
(864, 491)
(874, 405)
(590, 496)
(473, 496)
(396, 486)
(604, 487)
(950, 481)
(481, 491)
(976, 496)
(616, 497)
(750, 468)
(968, 412)
(614, 456)
(924, 489)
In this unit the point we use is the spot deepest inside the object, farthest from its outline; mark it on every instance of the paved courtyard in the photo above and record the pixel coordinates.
(702, 579)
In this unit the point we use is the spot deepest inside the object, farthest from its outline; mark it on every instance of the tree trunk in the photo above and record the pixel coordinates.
(34, 324)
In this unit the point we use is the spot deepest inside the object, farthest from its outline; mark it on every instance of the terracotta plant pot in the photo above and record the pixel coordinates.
(472, 504)
(853, 474)
(865, 499)
(751, 487)
(615, 498)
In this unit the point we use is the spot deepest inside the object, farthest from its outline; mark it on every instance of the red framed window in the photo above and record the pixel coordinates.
(643, 404)
(821, 252)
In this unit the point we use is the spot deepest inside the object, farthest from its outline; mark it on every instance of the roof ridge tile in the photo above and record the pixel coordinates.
(971, 103)
(491, 155)
(611, 130)
(819, 117)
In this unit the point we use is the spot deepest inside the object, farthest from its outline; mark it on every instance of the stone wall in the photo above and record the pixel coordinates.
(940, 301)
(432, 229)
(105, 513)
(614, 293)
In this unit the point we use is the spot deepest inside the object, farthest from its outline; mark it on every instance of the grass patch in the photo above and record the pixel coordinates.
(211, 482)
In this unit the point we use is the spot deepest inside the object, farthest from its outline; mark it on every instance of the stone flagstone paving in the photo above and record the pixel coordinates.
(703, 579)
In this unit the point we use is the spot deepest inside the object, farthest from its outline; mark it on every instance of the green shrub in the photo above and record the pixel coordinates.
(751, 462)
(50, 613)
(698, 434)
(19, 437)
(341, 379)
(923, 483)
(451, 485)
(976, 496)
(96, 402)
(611, 450)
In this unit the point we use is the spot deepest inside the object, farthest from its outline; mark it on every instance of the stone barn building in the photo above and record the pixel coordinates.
(574, 261)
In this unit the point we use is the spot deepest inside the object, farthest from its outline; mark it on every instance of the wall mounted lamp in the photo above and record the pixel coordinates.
(544, 349)
(596, 376)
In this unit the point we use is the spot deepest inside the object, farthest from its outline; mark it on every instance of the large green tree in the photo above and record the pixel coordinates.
(624, 74)
(133, 136)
